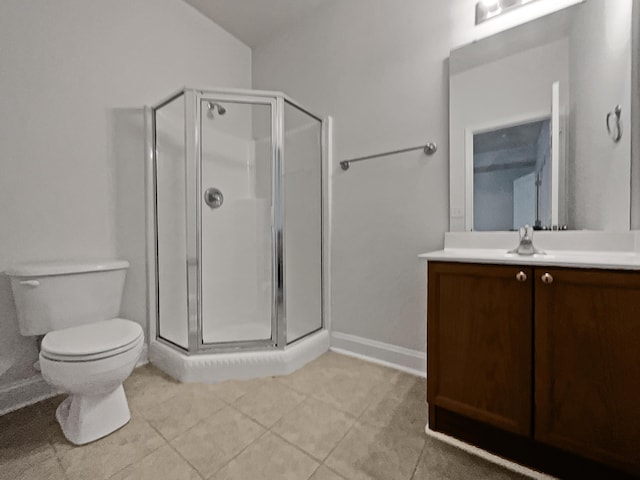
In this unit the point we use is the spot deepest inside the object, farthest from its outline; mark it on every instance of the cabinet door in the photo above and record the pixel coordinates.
(587, 364)
(479, 343)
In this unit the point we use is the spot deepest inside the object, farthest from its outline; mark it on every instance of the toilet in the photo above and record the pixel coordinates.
(87, 350)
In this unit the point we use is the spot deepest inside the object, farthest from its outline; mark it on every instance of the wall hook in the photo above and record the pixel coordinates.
(615, 131)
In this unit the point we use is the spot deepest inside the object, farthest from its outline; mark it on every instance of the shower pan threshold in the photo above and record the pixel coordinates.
(218, 367)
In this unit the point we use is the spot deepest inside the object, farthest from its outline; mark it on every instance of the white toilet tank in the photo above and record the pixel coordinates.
(53, 296)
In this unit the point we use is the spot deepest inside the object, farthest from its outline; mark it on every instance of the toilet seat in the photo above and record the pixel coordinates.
(92, 341)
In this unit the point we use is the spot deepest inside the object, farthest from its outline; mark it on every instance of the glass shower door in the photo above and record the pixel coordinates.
(171, 219)
(303, 221)
(236, 239)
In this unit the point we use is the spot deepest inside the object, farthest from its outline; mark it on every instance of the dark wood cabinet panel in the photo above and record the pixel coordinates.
(479, 343)
(587, 364)
(553, 359)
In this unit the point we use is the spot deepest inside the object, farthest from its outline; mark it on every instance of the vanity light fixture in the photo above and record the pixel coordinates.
(488, 9)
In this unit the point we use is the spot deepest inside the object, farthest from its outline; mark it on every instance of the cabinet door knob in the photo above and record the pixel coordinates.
(521, 276)
(547, 278)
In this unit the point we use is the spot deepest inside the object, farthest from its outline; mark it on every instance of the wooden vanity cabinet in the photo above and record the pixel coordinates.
(479, 343)
(587, 364)
(553, 363)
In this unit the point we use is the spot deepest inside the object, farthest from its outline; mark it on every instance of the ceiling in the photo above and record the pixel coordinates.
(255, 22)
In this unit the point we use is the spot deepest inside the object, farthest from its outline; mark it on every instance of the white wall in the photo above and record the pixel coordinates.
(463, 17)
(382, 75)
(635, 118)
(74, 78)
(600, 80)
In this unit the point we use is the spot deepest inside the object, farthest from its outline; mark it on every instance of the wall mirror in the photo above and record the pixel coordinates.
(511, 176)
(540, 123)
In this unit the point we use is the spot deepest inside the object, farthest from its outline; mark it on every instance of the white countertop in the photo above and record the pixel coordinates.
(558, 258)
(579, 249)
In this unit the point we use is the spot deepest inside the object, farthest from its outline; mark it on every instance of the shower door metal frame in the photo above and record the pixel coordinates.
(153, 267)
(193, 113)
(195, 329)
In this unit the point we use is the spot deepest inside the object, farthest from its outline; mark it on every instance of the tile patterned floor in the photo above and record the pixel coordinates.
(338, 418)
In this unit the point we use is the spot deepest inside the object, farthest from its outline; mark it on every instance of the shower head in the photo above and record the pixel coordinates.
(212, 106)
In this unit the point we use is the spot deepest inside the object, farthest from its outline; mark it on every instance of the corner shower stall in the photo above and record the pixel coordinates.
(236, 238)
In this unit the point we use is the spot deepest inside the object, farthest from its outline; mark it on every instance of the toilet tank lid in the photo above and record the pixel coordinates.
(43, 269)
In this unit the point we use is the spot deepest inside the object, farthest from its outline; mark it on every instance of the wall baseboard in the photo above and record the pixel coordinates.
(144, 356)
(393, 356)
(22, 393)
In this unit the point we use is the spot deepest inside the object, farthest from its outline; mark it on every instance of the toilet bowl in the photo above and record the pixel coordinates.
(90, 362)
(87, 351)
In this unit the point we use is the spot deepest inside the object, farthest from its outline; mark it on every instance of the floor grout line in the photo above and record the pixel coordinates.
(269, 427)
(313, 457)
(339, 442)
(187, 461)
(199, 421)
(145, 456)
(241, 396)
(358, 389)
(58, 454)
(314, 472)
(237, 454)
(415, 468)
(229, 405)
(327, 404)
(311, 397)
(251, 418)
(270, 430)
(55, 454)
(333, 470)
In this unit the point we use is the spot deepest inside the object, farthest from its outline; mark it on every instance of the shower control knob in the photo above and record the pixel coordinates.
(213, 197)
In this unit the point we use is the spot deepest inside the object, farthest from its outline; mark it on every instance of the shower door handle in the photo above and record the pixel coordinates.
(213, 197)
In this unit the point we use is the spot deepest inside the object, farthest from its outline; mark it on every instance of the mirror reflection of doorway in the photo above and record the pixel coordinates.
(512, 177)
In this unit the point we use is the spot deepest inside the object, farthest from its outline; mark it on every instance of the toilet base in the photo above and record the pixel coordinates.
(86, 418)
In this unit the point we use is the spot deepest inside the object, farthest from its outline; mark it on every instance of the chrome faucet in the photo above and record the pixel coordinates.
(525, 247)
